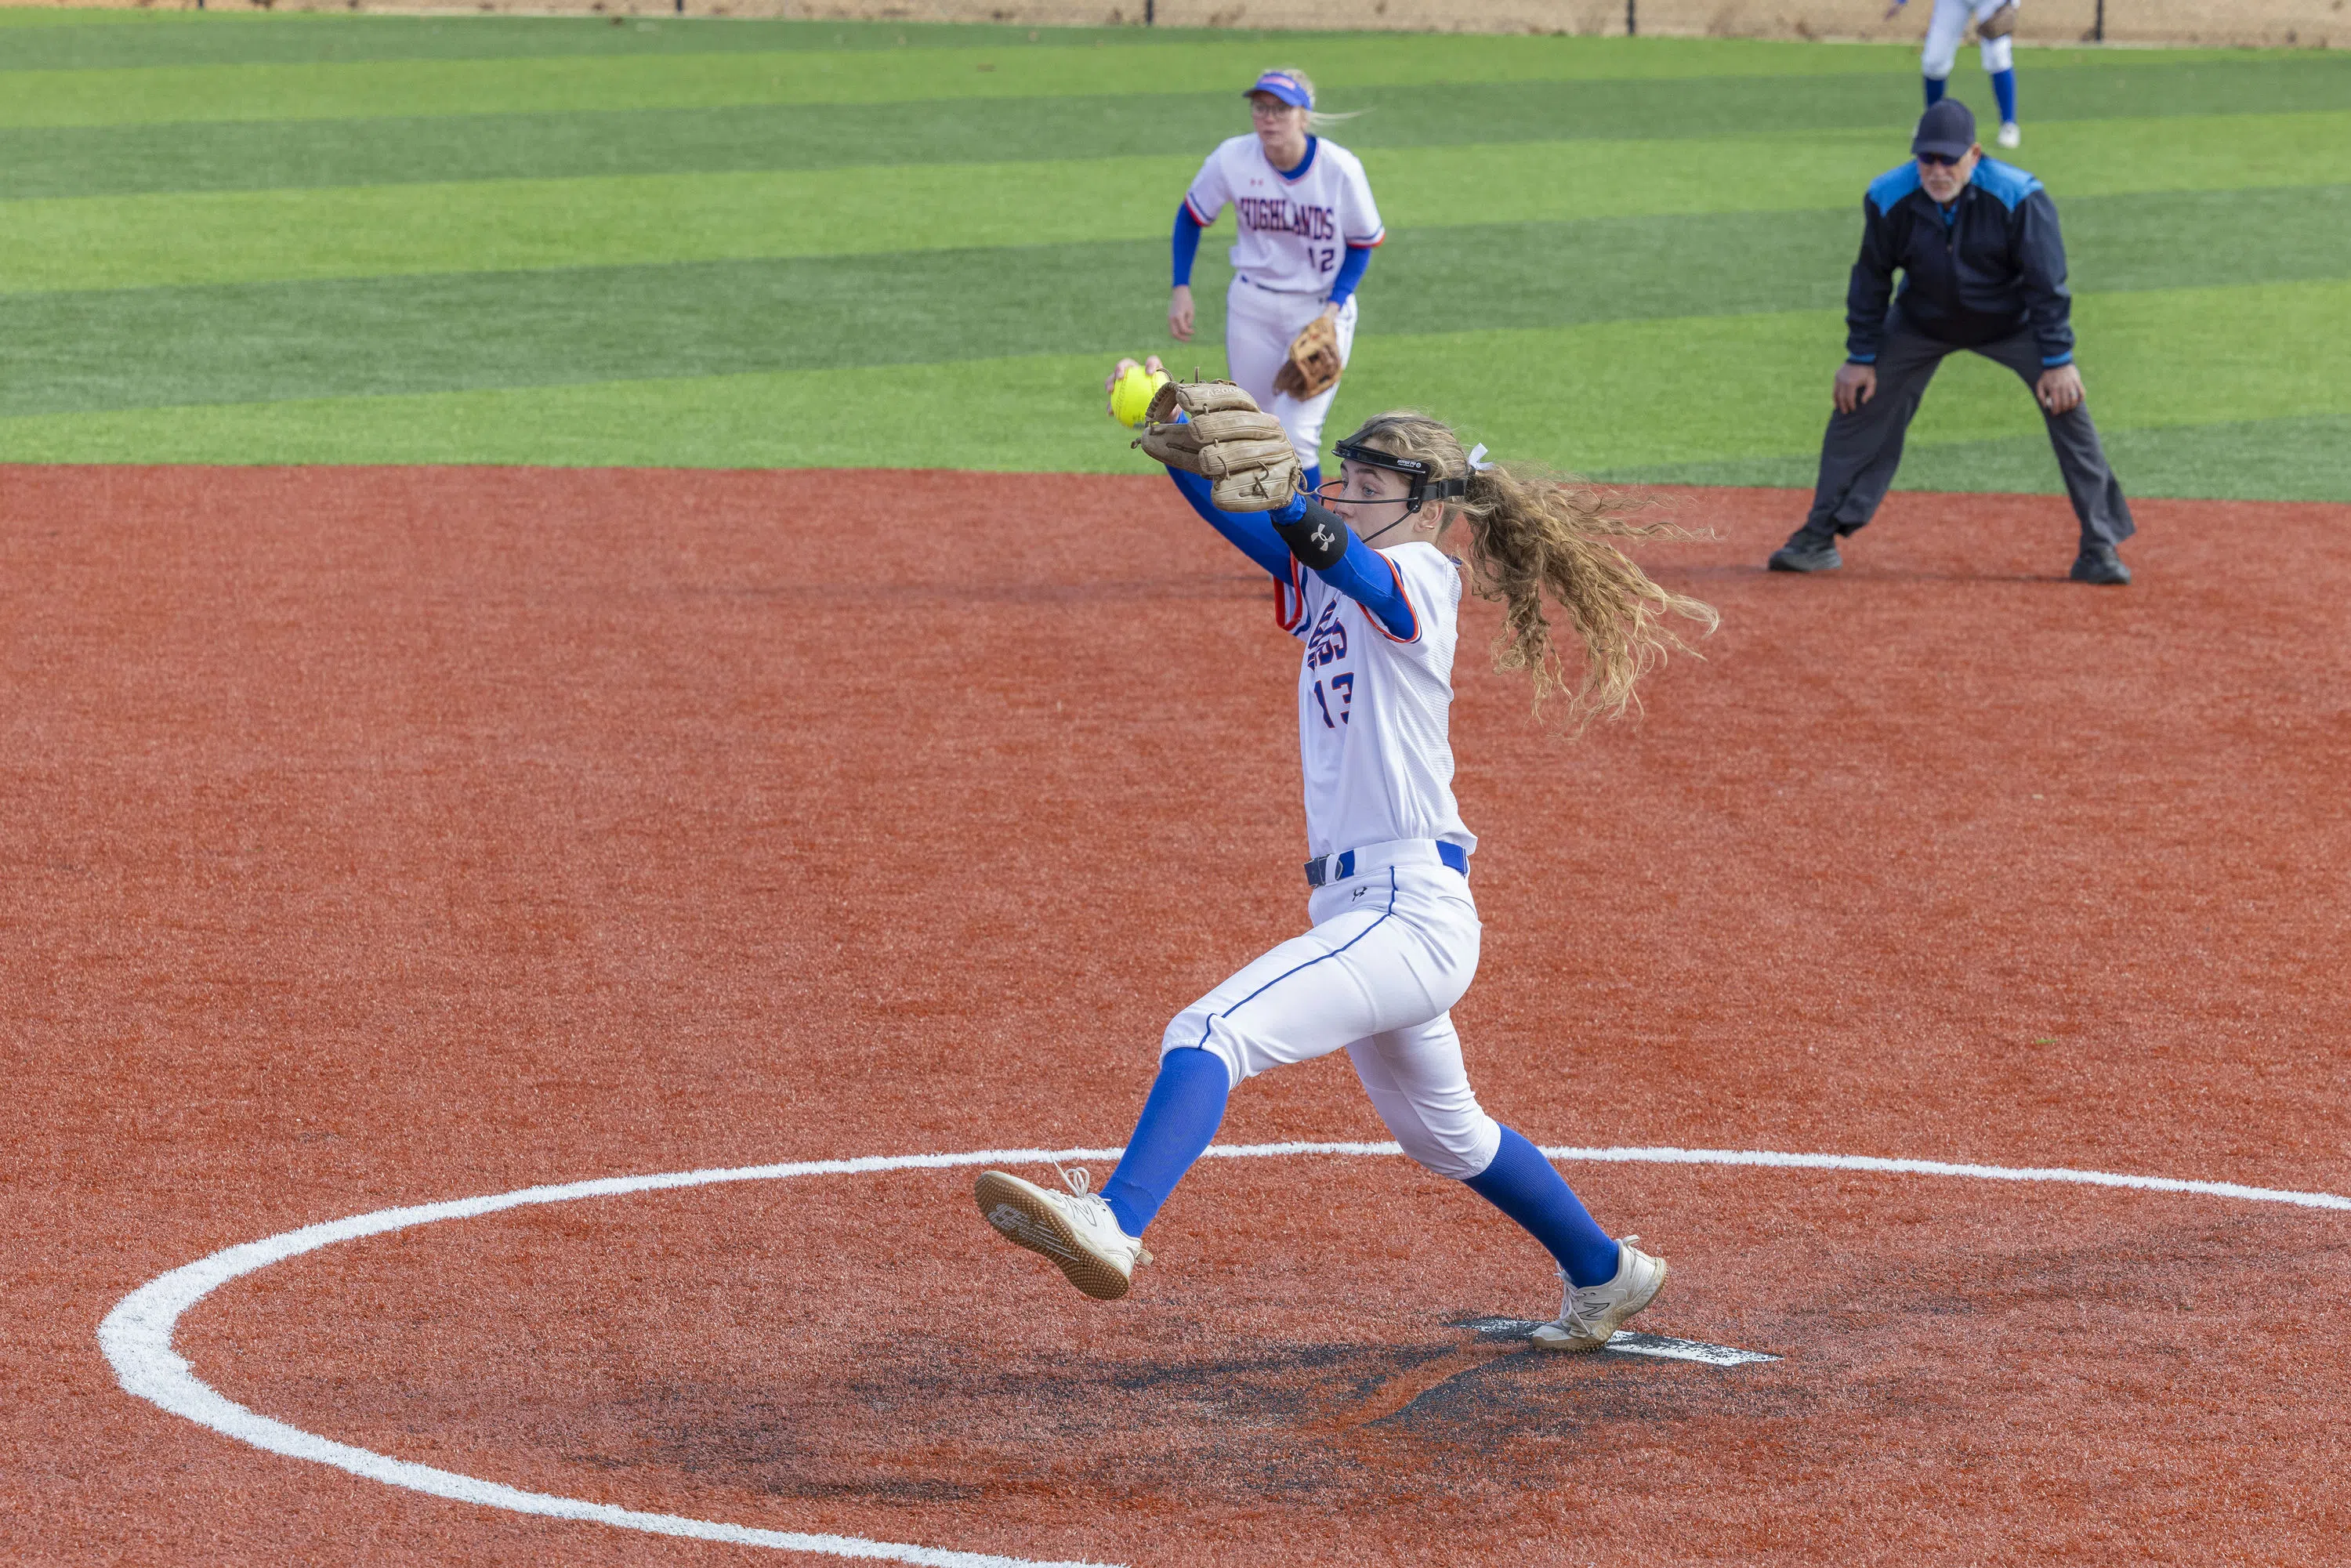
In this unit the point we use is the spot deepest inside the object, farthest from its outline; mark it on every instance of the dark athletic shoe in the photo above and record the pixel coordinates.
(2100, 564)
(1807, 552)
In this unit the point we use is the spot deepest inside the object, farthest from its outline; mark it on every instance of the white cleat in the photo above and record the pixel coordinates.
(1590, 1316)
(1075, 1228)
(2010, 136)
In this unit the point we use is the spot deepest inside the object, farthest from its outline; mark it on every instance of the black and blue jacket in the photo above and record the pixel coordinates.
(1990, 265)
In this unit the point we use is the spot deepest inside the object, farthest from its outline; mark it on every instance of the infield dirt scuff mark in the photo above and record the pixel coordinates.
(1397, 1393)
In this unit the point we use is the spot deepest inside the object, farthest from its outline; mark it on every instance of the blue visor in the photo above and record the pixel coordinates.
(1285, 87)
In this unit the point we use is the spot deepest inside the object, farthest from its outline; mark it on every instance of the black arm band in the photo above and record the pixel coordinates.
(1318, 538)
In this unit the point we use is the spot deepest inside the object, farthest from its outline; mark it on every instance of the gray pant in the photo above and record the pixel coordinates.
(1862, 449)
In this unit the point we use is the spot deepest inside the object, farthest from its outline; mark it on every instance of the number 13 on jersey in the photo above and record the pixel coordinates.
(1343, 696)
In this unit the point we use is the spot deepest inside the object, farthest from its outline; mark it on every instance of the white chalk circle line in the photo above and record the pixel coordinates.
(137, 1335)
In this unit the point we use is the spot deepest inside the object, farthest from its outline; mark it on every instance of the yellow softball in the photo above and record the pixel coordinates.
(1130, 399)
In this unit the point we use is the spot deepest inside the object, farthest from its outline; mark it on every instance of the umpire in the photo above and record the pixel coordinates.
(1984, 269)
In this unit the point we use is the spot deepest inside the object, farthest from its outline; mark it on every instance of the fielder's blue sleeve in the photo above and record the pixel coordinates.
(1186, 242)
(1350, 272)
(1248, 532)
(1330, 549)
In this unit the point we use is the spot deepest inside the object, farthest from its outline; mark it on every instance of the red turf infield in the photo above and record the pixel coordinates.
(380, 836)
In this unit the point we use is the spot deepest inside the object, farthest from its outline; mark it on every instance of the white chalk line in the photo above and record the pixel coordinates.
(137, 1335)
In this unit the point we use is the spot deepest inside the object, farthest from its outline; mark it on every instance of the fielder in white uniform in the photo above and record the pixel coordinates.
(1307, 226)
(1393, 932)
(1945, 32)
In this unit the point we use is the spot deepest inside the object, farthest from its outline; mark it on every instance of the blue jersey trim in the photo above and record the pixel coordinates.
(1209, 1027)
(2005, 182)
(1893, 186)
(1294, 175)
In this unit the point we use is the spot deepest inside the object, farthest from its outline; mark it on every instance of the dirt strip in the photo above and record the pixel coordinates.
(377, 836)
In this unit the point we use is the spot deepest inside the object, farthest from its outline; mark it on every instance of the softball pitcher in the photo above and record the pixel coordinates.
(1364, 585)
(1307, 226)
(1995, 25)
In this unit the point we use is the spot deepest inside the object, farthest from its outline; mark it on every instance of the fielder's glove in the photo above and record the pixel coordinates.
(1999, 25)
(1224, 438)
(1314, 366)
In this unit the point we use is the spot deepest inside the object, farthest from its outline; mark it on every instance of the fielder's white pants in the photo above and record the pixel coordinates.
(1259, 325)
(1392, 947)
(1948, 26)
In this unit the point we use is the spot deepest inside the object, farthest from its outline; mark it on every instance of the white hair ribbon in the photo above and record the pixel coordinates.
(1478, 458)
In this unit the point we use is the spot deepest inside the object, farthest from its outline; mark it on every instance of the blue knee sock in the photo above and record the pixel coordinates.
(1524, 1186)
(1186, 1106)
(1312, 480)
(2003, 88)
(1934, 91)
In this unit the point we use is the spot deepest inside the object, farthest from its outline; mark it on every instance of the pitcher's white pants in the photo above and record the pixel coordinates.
(1392, 949)
(1258, 326)
(1948, 26)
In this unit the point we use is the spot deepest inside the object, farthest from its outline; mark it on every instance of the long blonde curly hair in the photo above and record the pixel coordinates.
(1535, 535)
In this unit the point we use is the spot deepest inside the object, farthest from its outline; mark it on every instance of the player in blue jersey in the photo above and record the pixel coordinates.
(1365, 586)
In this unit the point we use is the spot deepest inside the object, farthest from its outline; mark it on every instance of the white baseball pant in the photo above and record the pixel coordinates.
(1949, 26)
(1392, 947)
(1259, 325)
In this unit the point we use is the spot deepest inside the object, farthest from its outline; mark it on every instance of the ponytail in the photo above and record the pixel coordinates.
(1539, 541)
(1316, 122)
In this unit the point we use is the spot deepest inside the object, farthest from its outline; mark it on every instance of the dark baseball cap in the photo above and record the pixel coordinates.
(1947, 130)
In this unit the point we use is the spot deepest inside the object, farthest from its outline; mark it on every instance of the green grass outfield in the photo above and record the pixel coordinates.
(247, 239)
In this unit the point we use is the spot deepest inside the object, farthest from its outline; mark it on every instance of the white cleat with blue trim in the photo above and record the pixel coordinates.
(1590, 1316)
(1075, 1228)
(2010, 136)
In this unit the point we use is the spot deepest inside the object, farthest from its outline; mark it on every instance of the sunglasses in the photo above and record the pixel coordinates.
(1937, 160)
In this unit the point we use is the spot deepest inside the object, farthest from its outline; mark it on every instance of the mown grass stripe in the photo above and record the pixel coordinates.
(2248, 460)
(245, 236)
(261, 155)
(1344, 63)
(1607, 396)
(1617, 394)
(60, 39)
(376, 336)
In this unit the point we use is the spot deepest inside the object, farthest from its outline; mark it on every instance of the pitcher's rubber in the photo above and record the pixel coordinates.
(1020, 1217)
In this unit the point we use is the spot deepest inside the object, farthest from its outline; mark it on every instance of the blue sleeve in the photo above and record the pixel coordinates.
(1364, 575)
(1248, 532)
(1351, 273)
(1186, 242)
(1357, 570)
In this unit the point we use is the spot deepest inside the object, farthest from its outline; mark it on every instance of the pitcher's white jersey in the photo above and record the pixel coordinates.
(1373, 709)
(1293, 232)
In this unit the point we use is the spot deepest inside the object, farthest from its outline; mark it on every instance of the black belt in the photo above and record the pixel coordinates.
(1324, 869)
